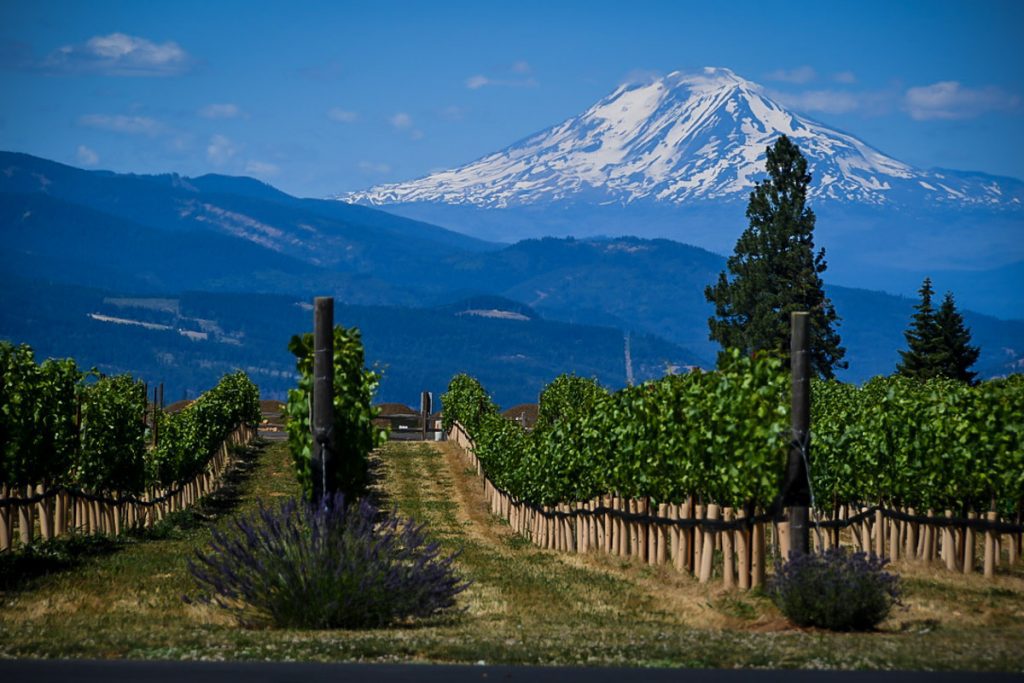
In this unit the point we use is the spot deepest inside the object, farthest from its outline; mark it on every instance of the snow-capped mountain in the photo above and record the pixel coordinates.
(686, 139)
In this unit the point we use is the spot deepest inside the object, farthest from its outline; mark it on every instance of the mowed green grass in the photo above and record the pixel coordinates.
(524, 605)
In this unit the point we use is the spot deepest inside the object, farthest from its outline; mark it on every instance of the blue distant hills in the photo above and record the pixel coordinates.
(180, 279)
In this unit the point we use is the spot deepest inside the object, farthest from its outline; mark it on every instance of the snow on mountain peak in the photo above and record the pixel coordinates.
(681, 138)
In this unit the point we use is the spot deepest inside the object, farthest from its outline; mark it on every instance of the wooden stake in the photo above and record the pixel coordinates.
(969, 545)
(757, 557)
(686, 536)
(727, 553)
(5, 522)
(879, 533)
(990, 547)
(698, 541)
(948, 545)
(911, 548)
(707, 554)
(894, 540)
(26, 523)
(678, 561)
(661, 535)
(783, 541)
(742, 537)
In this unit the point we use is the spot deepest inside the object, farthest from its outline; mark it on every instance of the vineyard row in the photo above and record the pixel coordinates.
(75, 453)
(685, 454)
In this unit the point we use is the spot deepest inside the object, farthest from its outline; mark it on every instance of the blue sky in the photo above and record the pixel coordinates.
(318, 98)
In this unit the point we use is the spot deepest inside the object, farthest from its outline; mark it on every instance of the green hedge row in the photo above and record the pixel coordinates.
(935, 444)
(721, 435)
(58, 428)
(724, 436)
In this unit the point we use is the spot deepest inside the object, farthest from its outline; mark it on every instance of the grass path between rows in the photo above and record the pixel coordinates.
(524, 606)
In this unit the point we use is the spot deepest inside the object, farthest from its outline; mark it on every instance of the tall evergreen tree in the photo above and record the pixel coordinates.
(774, 270)
(921, 359)
(956, 353)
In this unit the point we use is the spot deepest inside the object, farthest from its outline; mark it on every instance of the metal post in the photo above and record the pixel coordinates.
(797, 494)
(425, 401)
(323, 395)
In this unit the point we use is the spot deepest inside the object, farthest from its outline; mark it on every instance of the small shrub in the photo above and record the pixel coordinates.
(330, 566)
(837, 590)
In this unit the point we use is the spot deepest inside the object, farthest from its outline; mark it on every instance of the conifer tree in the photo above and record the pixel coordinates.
(774, 270)
(938, 342)
(921, 359)
(956, 354)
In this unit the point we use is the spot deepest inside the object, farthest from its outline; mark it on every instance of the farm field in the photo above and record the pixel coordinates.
(525, 605)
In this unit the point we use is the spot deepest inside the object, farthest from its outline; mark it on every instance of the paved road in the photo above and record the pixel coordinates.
(45, 671)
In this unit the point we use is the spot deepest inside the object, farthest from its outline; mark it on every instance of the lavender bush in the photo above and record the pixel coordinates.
(837, 590)
(329, 566)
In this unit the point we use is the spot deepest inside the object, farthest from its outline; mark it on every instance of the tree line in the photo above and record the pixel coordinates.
(775, 270)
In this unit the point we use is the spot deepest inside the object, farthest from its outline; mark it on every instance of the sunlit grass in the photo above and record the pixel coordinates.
(525, 605)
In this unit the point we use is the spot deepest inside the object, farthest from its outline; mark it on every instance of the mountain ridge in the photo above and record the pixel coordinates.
(683, 138)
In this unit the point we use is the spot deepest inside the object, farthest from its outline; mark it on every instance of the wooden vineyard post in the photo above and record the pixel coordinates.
(678, 536)
(609, 522)
(910, 551)
(783, 540)
(662, 535)
(949, 544)
(642, 535)
(757, 557)
(686, 536)
(323, 397)
(743, 552)
(708, 553)
(990, 547)
(698, 540)
(5, 523)
(969, 545)
(894, 540)
(727, 553)
(796, 491)
(26, 521)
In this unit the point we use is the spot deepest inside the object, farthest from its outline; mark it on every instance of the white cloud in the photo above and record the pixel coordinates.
(119, 54)
(801, 74)
(452, 113)
(828, 101)
(130, 125)
(373, 167)
(521, 67)
(261, 168)
(401, 121)
(478, 81)
(844, 77)
(951, 100)
(87, 156)
(220, 150)
(341, 115)
(221, 111)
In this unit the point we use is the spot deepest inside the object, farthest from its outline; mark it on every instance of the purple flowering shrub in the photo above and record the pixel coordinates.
(838, 590)
(330, 566)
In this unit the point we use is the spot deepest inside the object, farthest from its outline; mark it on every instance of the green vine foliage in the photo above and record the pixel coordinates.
(721, 434)
(57, 429)
(38, 429)
(724, 436)
(355, 435)
(189, 438)
(936, 443)
(112, 458)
